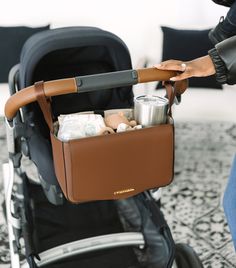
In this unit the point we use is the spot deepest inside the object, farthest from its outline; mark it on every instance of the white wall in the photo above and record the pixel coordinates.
(136, 22)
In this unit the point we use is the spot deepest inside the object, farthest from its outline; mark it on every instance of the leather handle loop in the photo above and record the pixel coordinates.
(177, 89)
(181, 86)
(44, 103)
(171, 93)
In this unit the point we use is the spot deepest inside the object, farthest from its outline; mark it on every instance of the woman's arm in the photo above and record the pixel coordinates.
(220, 61)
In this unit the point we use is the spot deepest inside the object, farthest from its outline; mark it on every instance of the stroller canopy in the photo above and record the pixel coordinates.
(66, 47)
(73, 51)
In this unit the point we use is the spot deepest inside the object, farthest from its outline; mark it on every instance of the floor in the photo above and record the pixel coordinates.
(192, 204)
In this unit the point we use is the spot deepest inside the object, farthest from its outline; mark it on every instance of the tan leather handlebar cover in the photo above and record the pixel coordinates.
(28, 95)
(153, 74)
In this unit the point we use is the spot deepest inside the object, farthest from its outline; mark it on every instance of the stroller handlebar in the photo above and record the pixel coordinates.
(84, 84)
(28, 95)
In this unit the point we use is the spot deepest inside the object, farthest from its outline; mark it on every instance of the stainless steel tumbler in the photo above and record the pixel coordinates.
(150, 110)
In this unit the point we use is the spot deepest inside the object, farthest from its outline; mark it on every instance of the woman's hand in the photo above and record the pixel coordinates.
(199, 67)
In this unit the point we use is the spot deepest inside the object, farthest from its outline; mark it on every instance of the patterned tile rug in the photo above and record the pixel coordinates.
(192, 203)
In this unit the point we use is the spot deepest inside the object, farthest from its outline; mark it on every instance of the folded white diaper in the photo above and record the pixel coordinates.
(75, 126)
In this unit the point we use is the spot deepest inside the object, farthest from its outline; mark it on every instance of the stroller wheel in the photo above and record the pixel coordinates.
(186, 257)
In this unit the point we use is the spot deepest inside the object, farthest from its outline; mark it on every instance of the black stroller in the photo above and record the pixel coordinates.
(45, 230)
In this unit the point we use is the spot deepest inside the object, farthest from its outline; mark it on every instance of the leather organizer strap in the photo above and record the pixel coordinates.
(44, 103)
(171, 93)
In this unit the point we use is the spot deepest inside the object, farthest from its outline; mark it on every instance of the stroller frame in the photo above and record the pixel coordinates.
(15, 209)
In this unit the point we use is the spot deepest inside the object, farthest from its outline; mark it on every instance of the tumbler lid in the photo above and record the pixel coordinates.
(151, 100)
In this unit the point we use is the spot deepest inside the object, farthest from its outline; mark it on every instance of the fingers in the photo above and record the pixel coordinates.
(171, 65)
